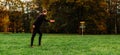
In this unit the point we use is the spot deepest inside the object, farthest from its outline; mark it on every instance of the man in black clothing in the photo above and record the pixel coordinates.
(37, 24)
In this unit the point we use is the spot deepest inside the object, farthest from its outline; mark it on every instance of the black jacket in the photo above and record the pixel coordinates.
(38, 22)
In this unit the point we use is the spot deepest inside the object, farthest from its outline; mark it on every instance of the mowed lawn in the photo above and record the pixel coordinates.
(60, 44)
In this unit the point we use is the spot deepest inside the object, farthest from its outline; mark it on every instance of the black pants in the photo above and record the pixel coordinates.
(35, 30)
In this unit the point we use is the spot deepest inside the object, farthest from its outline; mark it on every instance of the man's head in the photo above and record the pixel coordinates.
(44, 11)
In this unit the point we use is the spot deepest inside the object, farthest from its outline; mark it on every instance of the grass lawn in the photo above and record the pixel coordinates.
(60, 44)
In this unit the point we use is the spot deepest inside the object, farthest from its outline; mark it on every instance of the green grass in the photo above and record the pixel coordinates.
(60, 44)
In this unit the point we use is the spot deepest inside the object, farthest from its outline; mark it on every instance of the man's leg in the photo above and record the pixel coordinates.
(32, 38)
(40, 37)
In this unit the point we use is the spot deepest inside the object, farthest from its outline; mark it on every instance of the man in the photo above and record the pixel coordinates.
(37, 24)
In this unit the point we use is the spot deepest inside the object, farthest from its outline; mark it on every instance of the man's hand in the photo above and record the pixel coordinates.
(52, 21)
(33, 26)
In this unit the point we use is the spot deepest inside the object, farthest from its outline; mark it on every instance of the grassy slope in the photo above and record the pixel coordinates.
(60, 44)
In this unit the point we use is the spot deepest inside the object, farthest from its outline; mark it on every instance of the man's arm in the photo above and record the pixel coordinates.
(48, 20)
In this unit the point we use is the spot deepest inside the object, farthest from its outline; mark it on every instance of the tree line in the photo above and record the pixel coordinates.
(97, 15)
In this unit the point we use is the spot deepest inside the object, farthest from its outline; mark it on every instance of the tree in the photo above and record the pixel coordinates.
(97, 14)
(68, 15)
(66, 18)
(4, 18)
(4, 21)
(16, 9)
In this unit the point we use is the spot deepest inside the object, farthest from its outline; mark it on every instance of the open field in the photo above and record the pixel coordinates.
(60, 44)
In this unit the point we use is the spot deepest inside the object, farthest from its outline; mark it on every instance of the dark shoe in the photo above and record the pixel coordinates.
(39, 45)
(31, 46)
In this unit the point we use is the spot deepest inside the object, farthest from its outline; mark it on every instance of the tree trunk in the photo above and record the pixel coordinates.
(5, 23)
